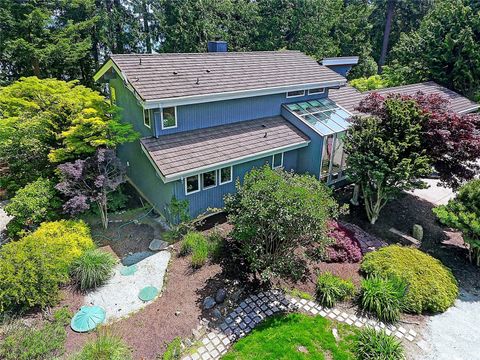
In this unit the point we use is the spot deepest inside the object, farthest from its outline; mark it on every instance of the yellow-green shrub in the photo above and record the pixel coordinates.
(33, 268)
(431, 285)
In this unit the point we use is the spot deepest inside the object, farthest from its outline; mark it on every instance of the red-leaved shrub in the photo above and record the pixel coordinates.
(345, 247)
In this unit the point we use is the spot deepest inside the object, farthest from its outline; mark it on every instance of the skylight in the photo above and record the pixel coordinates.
(323, 115)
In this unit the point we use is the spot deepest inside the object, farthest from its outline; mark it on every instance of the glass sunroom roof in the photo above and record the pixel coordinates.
(323, 115)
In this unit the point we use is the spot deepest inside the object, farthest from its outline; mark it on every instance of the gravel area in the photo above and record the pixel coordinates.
(4, 219)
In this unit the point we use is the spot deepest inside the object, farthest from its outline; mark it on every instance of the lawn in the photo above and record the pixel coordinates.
(296, 336)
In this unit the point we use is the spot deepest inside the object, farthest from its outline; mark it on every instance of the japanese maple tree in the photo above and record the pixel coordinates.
(89, 181)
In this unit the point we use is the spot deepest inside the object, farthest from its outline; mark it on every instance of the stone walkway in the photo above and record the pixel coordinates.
(256, 308)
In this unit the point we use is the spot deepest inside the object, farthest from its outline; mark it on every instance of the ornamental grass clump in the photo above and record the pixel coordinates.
(383, 297)
(200, 247)
(92, 269)
(377, 345)
(331, 289)
(105, 347)
(431, 285)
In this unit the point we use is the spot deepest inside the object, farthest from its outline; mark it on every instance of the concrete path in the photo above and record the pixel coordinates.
(4, 219)
(437, 195)
(119, 297)
(454, 334)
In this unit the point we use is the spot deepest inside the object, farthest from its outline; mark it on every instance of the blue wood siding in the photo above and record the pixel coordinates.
(308, 158)
(197, 116)
(341, 69)
(200, 201)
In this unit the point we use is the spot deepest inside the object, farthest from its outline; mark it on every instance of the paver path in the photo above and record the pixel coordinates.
(119, 296)
(257, 307)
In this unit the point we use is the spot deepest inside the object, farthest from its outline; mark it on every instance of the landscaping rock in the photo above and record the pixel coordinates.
(217, 314)
(302, 349)
(220, 296)
(208, 303)
(417, 232)
(157, 245)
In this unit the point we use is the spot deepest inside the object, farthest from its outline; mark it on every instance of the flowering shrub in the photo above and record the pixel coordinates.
(345, 247)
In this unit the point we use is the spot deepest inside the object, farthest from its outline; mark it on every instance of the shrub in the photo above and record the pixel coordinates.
(331, 288)
(345, 247)
(201, 247)
(33, 204)
(33, 268)
(431, 286)
(32, 343)
(92, 269)
(200, 254)
(373, 345)
(383, 297)
(105, 347)
(216, 243)
(191, 240)
(463, 213)
(368, 83)
(174, 350)
(275, 212)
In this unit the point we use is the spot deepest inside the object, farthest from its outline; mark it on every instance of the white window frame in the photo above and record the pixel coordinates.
(216, 180)
(149, 117)
(294, 96)
(273, 160)
(161, 118)
(313, 92)
(220, 175)
(199, 185)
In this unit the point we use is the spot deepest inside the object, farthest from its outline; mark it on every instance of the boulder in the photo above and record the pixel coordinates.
(220, 296)
(417, 232)
(208, 303)
(157, 245)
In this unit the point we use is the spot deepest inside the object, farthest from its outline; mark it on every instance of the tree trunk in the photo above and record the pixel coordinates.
(146, 27)
(103, 213)
(386, 34)
(373, 204)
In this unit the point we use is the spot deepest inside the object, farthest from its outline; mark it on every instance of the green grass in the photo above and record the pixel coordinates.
(374, 345)
(201, 247)
(281, 336)
(104, 347)
(330, 289)
(92, 269)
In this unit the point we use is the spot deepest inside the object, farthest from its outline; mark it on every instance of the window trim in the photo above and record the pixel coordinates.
(220, 175)
(273, 160)
(211, 186)
(149, 118)
(195, 191)
(294, 96)
(316, 92)
(161, 118)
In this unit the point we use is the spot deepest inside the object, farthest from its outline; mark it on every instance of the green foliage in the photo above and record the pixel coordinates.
(299, 294)
(48, 120)
(178, 216)
(331, 289)
(279, 337)
(174, 350)
(33, 204)
(444, 48)
(463, 213)
(383, 297)
(431, 286)
(33, 268)
(200, 247)
(92, 269)
(36, 343)
(274, 212)
(369, 83)
(373, 345)
(104, 347)
(385, 155)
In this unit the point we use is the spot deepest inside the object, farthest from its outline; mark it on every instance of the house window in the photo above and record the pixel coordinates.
(113, 96)
(316, 91)
(147, 121)
(225, 175)
(209, 179)
(277, 161)
(169, 118)
(192, 184)
(295, 93)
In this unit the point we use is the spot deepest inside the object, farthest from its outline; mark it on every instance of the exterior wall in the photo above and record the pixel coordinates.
(309, 158)
(341, 69)
(197, 116)
(213, 198)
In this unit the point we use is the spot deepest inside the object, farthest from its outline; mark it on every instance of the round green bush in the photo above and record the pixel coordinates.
(331, 288)
(383, 297)
(431, 285)
(92, 269)
(377, 345)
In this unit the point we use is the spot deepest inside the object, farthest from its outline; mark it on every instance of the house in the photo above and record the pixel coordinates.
(206, 119)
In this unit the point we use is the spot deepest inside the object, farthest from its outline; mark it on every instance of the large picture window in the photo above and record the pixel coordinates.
(209, 179)
(192, 184)
(169, 118)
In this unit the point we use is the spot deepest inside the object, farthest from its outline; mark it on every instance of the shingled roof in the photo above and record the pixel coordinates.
(184, 153)
(349, 97)
(164, 76)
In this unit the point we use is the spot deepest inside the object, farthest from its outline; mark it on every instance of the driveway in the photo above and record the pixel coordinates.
(437, 195)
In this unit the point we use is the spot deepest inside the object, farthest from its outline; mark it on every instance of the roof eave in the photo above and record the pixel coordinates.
(183, 174)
